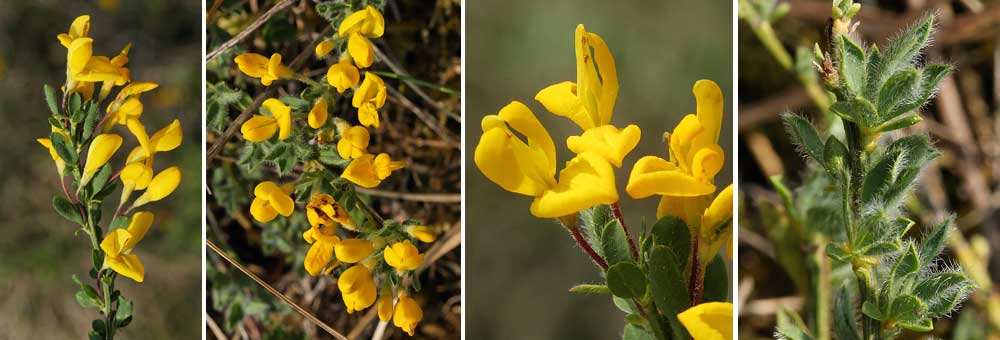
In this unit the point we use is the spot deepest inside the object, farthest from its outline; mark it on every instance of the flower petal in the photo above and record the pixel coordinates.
(262, 211)
(127, 265)
(259, 128)
(653, 175)
(709, 321)
(320, 254)
(361, 50)
(608, 141)
(586, 181)
(561, 100)
(353, 250)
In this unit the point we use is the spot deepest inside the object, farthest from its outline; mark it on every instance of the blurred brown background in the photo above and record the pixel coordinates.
(520, 267)
(39, 251)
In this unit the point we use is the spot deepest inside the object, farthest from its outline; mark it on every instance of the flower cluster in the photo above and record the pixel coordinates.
(78, 123)
(377, 261)
(685, 182)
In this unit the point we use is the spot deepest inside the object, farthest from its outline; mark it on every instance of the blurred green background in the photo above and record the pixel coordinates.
(39, 251)
(518, 267)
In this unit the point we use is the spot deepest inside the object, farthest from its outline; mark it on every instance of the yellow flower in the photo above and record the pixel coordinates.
(80, 28)
(529, 168)
(369, 170)
(357, 288)
(101, 149)
(709, 321)
(258, 66)
(119, 62)
(126, 104)
(270, 200)
(368, 98)
(385, 308)
(165, 139)
(353, 250)
(322, 210)
(403, 256)
(368, 22)
(324, 48)
(407, 314)
(162, 185)
(318, 114)
(361, 50)
(134, 176)
(695, 155)
(423, 233)
(590, 101)
(118, 244)
(716, 225)
(343, 75)
(260, 128)
(320, 255)
(607, 141)
(353, 142)
(47, 143)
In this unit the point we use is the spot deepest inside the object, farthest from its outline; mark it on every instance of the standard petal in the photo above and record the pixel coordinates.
(164, 183)
(114, 242)
(521, 119)
(259, 128)
(495, 158)
(608, 93)
(353, 250)
(561, 100)
(353, 142)
(127, 265)
(653, 175)
(320, 254)
(343, 75)
(710, 105)
(608, 141)
(137, 227)
(586, 181)
(262, 211)
(361, 50)
(281, 202)
(709, 321)
(252, 64)
(318, 114)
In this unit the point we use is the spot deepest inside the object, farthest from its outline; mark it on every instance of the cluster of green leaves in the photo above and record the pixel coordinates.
(655, 287)
(79, 120)
(900, 283)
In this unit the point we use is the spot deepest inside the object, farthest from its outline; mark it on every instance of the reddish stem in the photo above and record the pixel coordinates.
(62, 181)
(586, 247)
(621, 221)
(696, 283)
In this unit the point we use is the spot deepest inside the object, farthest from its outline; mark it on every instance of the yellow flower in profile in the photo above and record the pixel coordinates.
(118, 244)
(407, 315)
(403, 256)
(80, 28)
(323, 210)
(356, 27)
(324, 48)
(716, 226)
(162, 185)
(529, 168)
(353, 250)
(126, 104)
(270, 200)
(369, 170)
(83, 66)
(267, 69)
(260, 128)
(423, 233)
(47, 143)
(165, 139)
(357, 288)
(343, 75)
(134, 176)
(709, 321)
(385, 307)
(353, 142)
(318, 114)
(119, 62)
(368, 98)
(101, 149)
(695, 156)
(322, 239)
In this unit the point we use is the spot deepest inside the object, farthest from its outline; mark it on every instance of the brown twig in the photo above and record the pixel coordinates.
(249, 29)
(413, 86)
(417, 197)
(424, 116)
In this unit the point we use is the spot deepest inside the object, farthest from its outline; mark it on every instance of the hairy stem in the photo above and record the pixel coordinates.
(867, 288)
(570, 223)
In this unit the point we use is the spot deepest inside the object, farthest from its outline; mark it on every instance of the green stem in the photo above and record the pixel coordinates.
(867, 288)
(439, 88)
(822, 286)
(652, 318)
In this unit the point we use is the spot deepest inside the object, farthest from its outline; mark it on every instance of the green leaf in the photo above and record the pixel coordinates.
(804, 135)
(845, 322)
(90, 122)
(852, 65)
(593, 221)
(120, 222)
(791, 326)
(672, 232)
(669, 288)
(906, 265)
(899, 123)
(625, 305)
(835, 252)
(872, 311)
(234, 315)
(590, 289)
(100, 179)
(98, 329)
(67, 210)
(65, 151)
(834, 156)
(896, 90)
(716, 281)
(614, 244)
(874, 65)
(51, 99)
(73, 108)
(910, 313)
(858, 110)
(87, 297)
(625, 280)
(942, 291)
(905, 48)
(634, 332)
(124, 314)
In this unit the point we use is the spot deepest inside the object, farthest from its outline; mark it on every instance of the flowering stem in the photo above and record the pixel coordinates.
(696, 283)
(575, 230)
(621, 221)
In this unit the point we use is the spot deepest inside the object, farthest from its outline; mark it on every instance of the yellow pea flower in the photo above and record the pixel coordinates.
(353, 142)
(118, 244)
(47, 143)
(162, 185)
(529, 168)
(368, 22)
(320, 255)
(607, 141)
(343, 75)
(695, 155)
(385, 307)
(324, 48)
(270, 200)
(353, 250)
(369, 170)
(258, 66)
(423, 233)
(101, 69)
(361, 50)
(357, 288)
(407, 315)
(323, 210)
(709, 321)
(368, 98)
(101, 149)
(80, 28)
(260, 128)
(318, 114)
(119, 61)
(716, 226)
(403, 256)
(167, 138)
(134, 176)
(126, 104)
(589, 102)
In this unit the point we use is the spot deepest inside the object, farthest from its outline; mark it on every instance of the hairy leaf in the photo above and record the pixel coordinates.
(669, 288)
(896, 90)
(858, 110)
(910, 313)
(942, 291)
(625, 280)
(590, 289)
(672, 232)
(845, 321)
(791, 326)
(615, 244)
(804, 135)
(935, 242)
(906, 47)
(852, 65)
